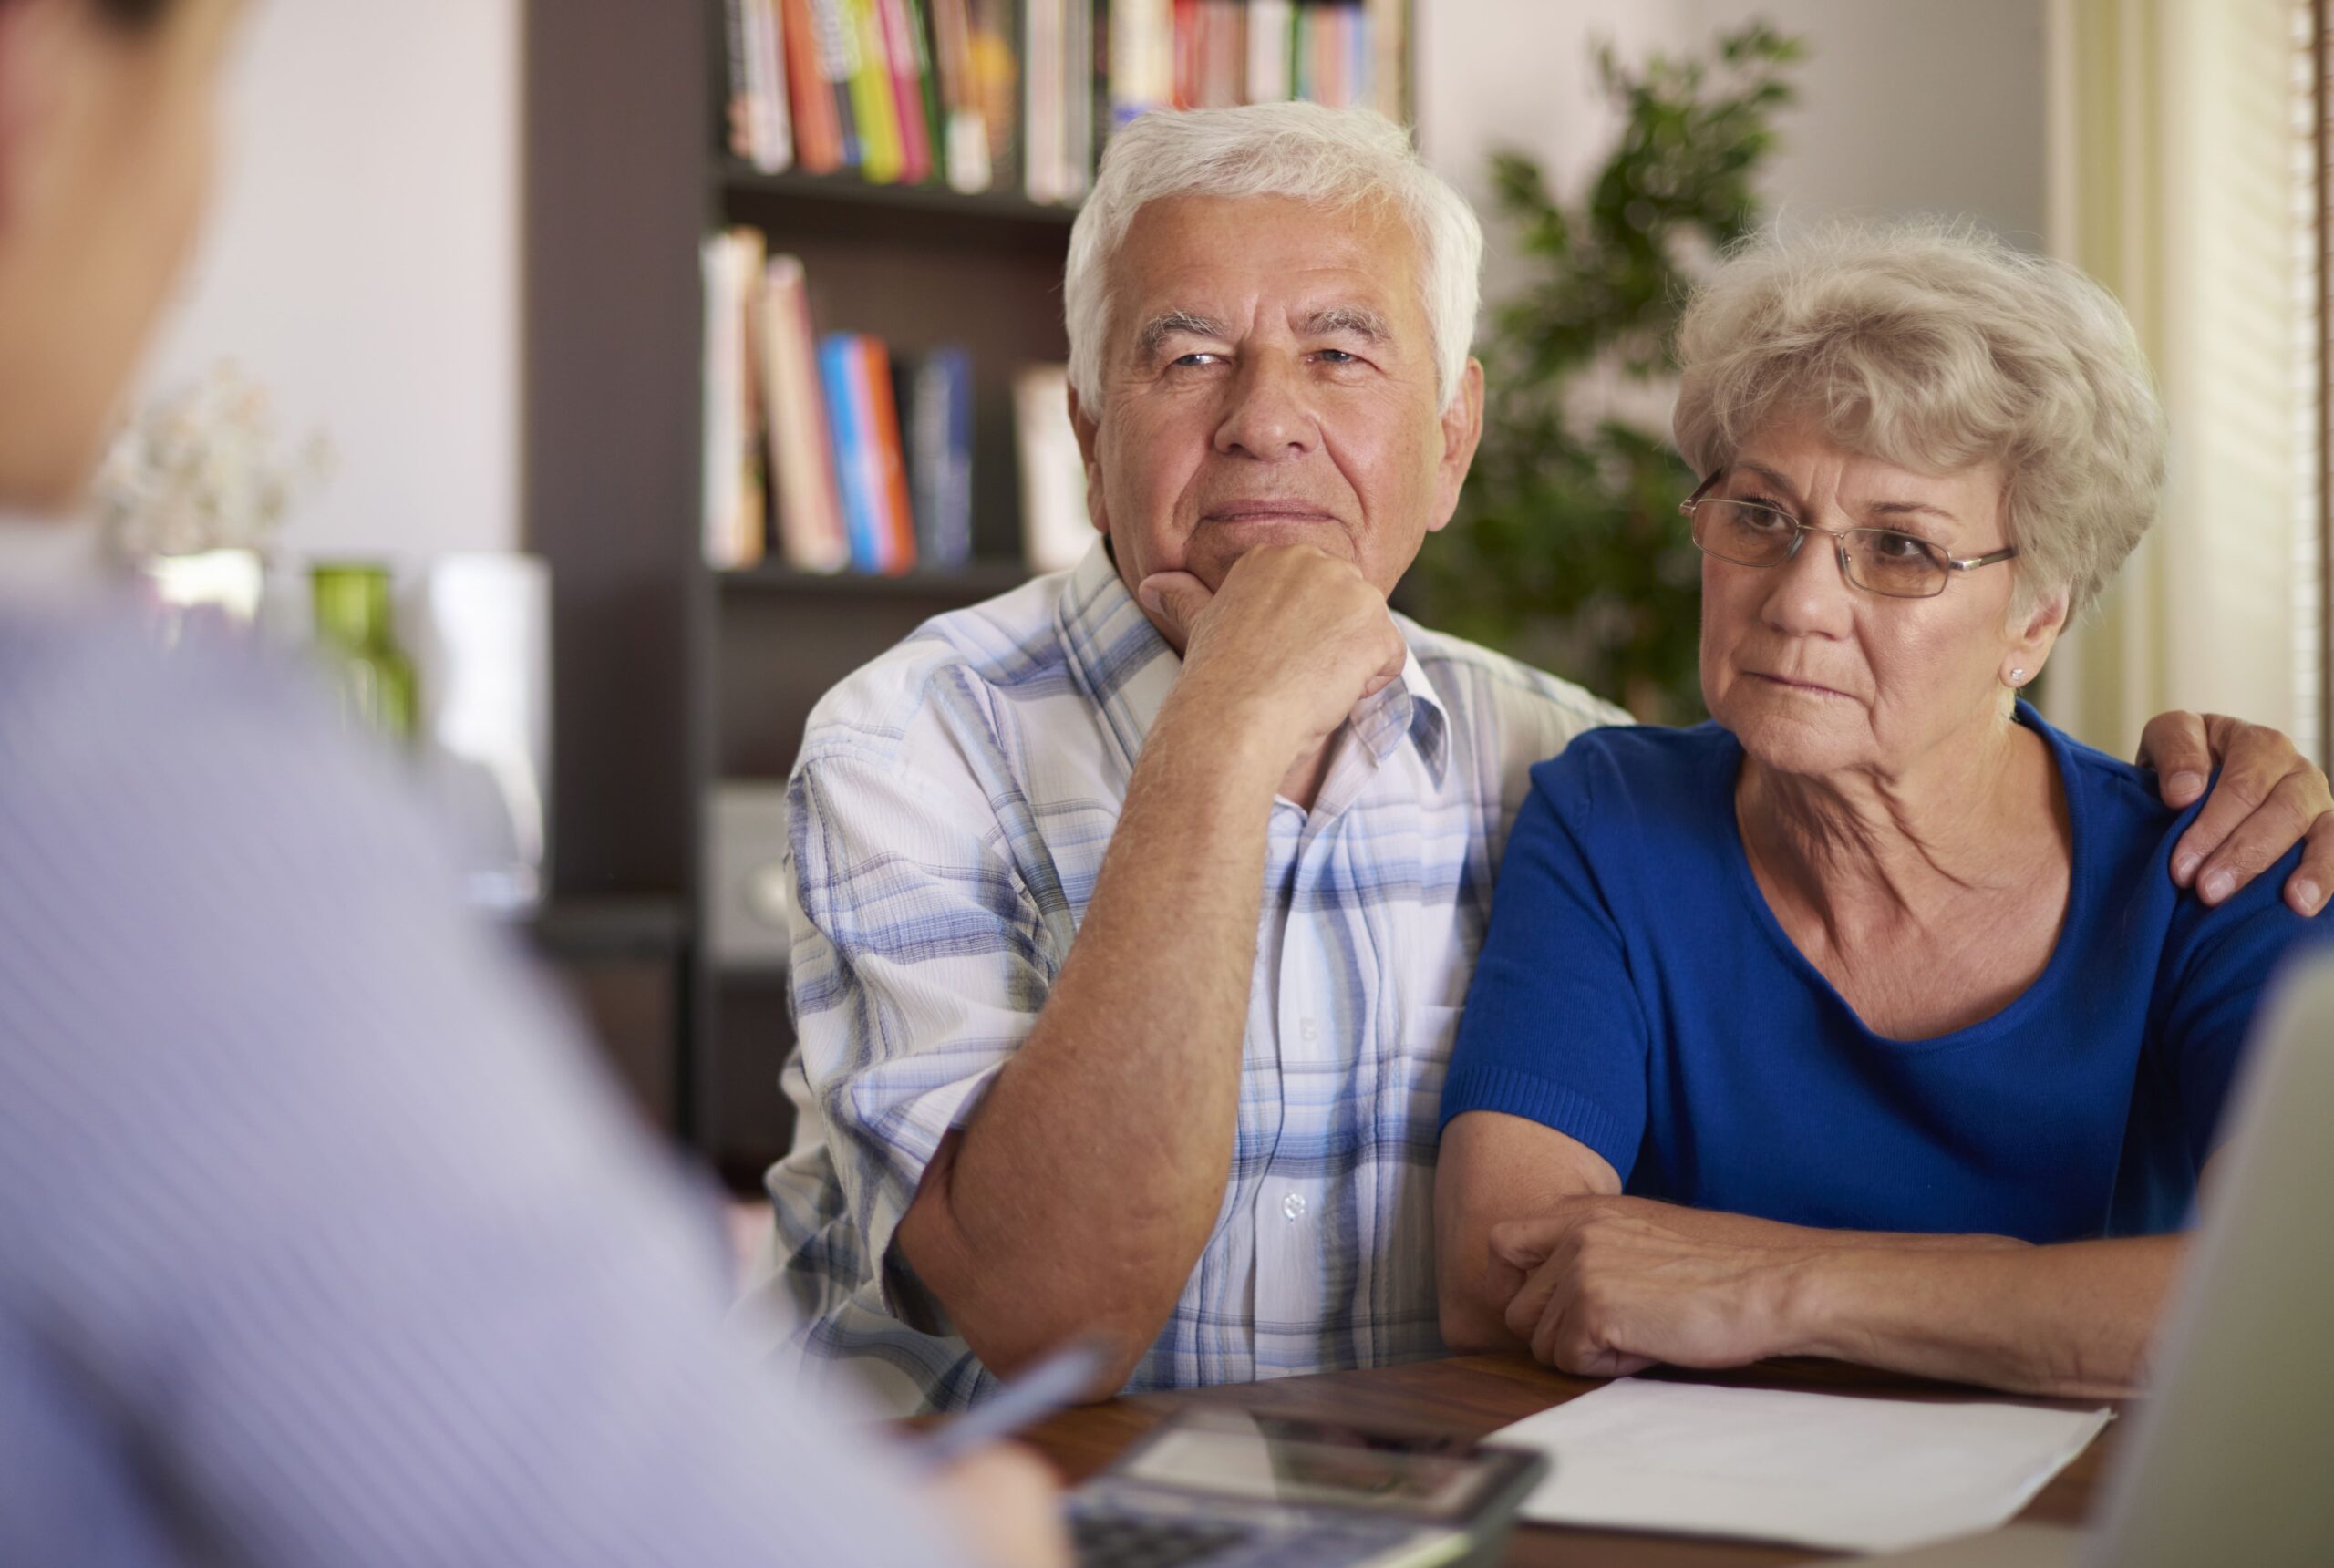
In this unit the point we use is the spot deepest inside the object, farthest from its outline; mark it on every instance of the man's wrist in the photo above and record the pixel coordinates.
(1244, 742)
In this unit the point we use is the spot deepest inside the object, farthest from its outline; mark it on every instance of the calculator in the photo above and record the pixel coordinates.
(1226, 1488)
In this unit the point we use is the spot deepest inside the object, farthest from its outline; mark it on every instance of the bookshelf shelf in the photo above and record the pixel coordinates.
(960, 584)
(740, 182)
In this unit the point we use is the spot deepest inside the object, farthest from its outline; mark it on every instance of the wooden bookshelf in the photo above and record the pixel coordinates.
(671, 677)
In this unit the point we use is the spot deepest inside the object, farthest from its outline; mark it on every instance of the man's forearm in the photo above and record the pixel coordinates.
(1084, 1189)
(2075, 1320)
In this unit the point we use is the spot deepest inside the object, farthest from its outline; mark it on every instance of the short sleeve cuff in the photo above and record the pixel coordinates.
(932, 1117)
(1551, 1104)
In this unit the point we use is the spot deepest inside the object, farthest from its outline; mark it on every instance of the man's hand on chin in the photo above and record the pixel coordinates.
(1290, 642)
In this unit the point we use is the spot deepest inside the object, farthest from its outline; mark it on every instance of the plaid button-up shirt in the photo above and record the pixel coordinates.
(950, 810)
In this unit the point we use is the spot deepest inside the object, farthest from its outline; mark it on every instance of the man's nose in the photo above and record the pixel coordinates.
(1268, 417)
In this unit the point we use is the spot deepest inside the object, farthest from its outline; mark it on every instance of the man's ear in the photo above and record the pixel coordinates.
(34, 35)
(1462, 432)
(1090, 431)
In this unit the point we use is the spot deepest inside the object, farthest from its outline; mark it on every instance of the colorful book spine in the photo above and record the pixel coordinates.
(966, 138)
(772, 138)
(818, 134)
(836, 45)
(895, 519)
(928, 81)
(842, 376)
(900, 52)
(808, 508)
(881, 158)
(997, 29)
(739, 119)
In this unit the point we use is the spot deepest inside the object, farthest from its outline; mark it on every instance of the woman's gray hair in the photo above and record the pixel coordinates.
(1936, 347)
(1348, 158)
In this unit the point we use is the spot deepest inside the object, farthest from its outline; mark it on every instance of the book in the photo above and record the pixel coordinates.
(842, 376)
(732, 521)
(1143, 57)
(1271, 24)
(996, 58)
(807, 507)
(739, 119)
(1389, 86)
(881, 158)
(927, 79)
(771, 141)
(965, 138)
(1058, 130)
(936, 403)
(1043, 177)
(896, 521)
(1055, 532)
(835, 45)
(902, 51)
(818, 133)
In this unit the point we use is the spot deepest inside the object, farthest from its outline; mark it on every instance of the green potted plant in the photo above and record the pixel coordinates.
(1568, 550)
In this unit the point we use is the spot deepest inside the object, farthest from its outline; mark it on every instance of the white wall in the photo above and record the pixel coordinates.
(1905, 104)
(362, 263)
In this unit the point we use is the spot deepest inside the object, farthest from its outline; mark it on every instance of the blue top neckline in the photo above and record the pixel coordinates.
(2072, 917)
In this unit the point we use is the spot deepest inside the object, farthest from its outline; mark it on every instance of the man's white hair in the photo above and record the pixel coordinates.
(1349, 159)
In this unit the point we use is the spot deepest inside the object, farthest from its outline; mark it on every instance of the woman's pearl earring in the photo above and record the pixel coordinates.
(2018, 677)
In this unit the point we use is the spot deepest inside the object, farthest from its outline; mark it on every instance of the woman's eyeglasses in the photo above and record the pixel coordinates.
(1881, 560)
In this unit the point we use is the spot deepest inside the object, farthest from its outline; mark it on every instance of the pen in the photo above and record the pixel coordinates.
(1037, 1392)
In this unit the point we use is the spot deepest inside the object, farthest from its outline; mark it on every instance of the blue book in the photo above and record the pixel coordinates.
(843, 379)
(938, 392)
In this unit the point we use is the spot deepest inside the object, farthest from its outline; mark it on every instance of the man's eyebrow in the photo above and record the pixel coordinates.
(1176, 323)
(1357, 319)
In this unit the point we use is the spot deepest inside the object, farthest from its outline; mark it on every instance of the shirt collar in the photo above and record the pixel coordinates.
(1128, 669)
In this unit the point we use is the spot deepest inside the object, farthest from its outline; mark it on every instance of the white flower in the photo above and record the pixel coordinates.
(199, 469)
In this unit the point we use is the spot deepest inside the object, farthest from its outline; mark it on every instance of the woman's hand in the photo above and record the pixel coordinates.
(1605, 1286)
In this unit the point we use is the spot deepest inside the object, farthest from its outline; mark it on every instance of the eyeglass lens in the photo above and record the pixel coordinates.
(1879, 558)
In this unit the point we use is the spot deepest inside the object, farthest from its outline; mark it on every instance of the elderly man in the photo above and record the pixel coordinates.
(1136, 906)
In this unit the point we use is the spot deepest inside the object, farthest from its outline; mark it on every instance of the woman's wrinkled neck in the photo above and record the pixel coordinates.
(1868, 842)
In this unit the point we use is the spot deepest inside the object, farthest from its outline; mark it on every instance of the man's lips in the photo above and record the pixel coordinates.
(1808, 686)
(1266, 511)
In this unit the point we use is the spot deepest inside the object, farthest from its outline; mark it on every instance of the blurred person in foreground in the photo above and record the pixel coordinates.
(1135, 907)
(321, 1242)
(1926, 1069)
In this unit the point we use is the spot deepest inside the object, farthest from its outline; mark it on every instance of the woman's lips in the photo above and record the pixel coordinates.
(1810, 688)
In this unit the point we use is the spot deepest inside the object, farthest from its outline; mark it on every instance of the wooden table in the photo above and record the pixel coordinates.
(1474, 1394)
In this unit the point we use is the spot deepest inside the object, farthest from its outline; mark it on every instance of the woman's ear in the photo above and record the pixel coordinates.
(2032, 636)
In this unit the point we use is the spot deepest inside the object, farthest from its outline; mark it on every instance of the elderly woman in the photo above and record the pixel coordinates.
(1862, 1021)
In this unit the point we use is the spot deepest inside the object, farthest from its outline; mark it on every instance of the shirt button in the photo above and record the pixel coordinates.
(1306, 1030)
(1293, 1206)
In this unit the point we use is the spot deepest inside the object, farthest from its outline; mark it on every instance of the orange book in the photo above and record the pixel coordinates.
(898, 521)
(818, 134)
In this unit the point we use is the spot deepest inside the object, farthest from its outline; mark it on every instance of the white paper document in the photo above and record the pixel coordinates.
(1815, 1470)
